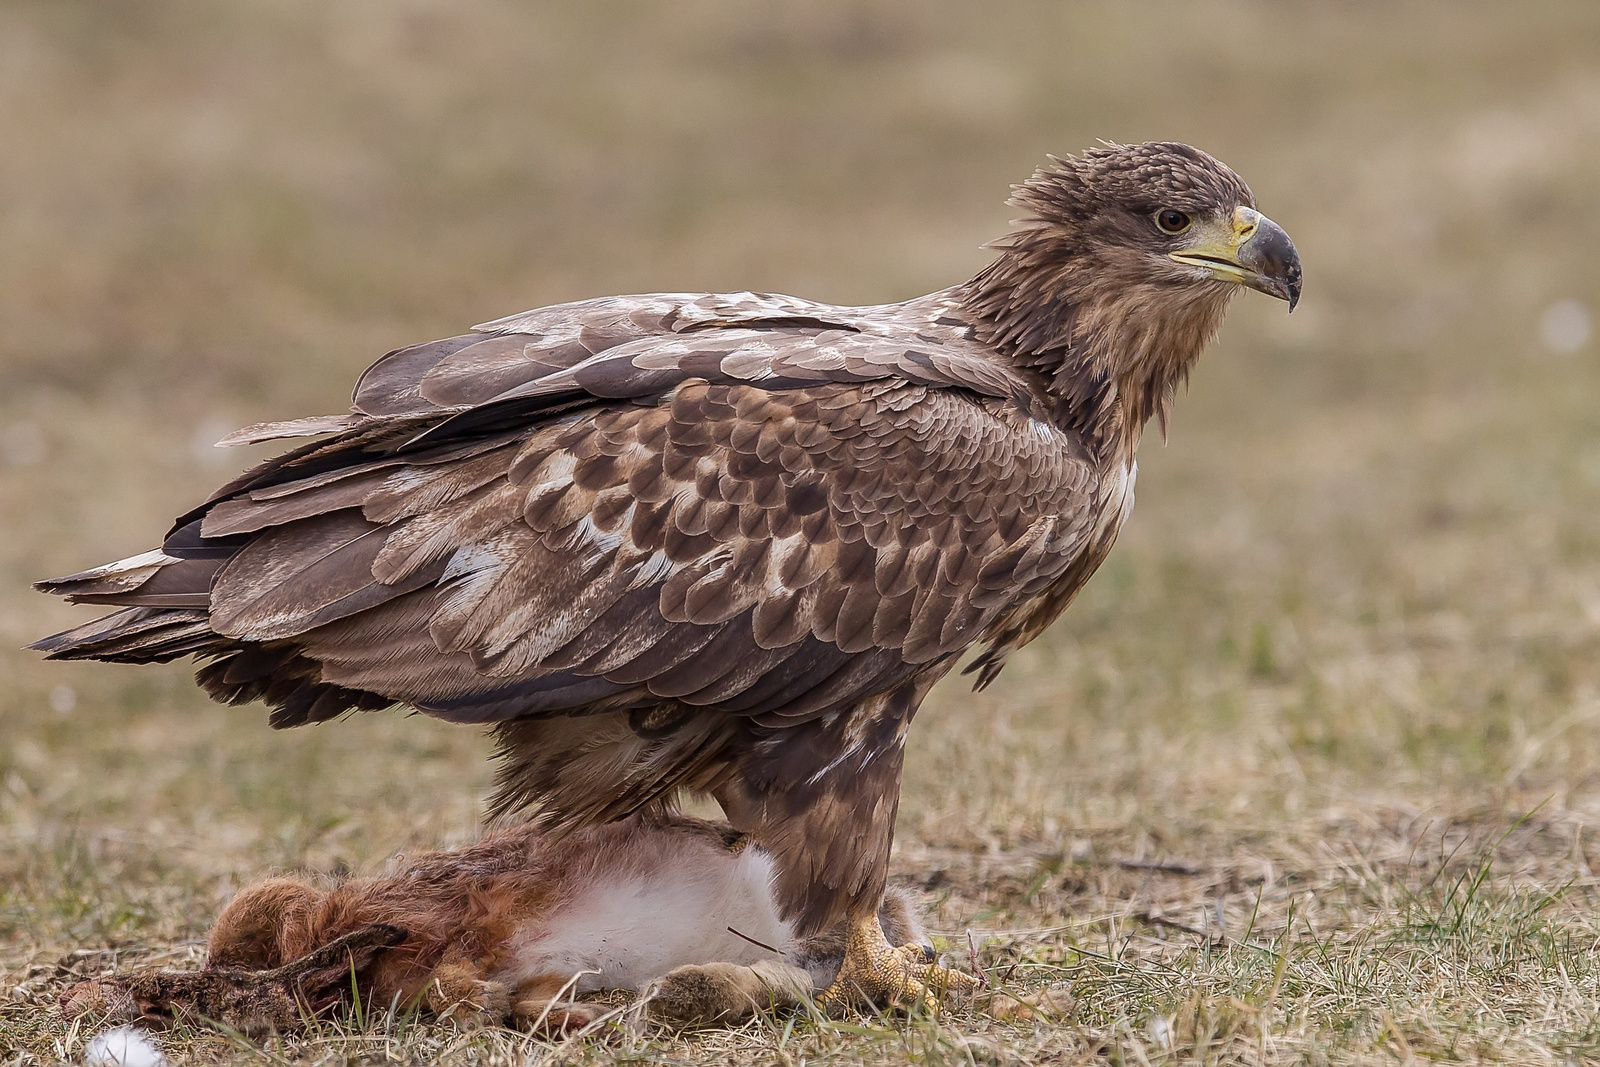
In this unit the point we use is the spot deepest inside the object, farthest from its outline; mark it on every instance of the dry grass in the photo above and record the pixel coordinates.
(1312, 771)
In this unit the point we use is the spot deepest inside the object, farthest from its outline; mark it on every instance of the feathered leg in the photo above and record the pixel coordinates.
(822, 799)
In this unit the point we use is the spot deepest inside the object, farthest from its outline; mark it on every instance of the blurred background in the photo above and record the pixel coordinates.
(1362, 583)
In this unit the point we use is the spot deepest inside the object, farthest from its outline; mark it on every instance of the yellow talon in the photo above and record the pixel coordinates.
(876, 972)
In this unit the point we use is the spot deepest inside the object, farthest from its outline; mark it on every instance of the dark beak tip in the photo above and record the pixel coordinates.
(1272, 255)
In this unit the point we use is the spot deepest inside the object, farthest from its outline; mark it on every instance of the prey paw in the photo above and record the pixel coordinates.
(1048, 1005)
(542, 1017)
(720, 993)
(457, 993)
(489, 1004)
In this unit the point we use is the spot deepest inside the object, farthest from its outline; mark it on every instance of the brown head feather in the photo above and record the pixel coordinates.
(1084, 294)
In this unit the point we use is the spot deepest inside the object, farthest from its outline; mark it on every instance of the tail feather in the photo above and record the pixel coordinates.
(165, 595)
(239, 671)
(123, 576)
(136, 635)
(288, 682)
(151, 579)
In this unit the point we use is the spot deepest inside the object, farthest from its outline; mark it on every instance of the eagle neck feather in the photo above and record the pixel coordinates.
(1109, 348)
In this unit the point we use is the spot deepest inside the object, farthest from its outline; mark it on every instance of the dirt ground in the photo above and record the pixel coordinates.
(1310, 774)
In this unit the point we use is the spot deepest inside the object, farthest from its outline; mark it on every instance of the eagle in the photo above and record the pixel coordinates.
(716, 545)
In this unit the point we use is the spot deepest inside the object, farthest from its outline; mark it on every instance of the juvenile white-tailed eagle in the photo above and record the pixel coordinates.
(716, 544)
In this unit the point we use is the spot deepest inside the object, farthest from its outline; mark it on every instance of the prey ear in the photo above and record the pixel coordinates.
(323, 975)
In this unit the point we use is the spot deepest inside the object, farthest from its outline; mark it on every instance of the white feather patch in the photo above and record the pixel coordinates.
(655, 569)
(599, 542)
(470, 559)
(124, 1046)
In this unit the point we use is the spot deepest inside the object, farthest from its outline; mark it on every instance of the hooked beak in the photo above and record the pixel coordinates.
(1254, 252)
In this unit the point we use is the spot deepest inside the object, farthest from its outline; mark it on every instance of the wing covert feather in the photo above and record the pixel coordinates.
(729, 546)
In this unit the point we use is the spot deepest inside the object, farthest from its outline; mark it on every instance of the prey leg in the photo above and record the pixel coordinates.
(252, 1002)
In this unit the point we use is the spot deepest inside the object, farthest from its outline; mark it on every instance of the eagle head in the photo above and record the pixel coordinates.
(1122, 268)
(1161, 214)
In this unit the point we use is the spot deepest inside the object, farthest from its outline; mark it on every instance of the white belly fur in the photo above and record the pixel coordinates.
(631, 929)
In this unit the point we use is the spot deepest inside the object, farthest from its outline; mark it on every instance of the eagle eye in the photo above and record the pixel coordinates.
(1171, 220)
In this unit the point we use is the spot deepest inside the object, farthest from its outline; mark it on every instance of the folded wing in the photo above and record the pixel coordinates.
(751, 504)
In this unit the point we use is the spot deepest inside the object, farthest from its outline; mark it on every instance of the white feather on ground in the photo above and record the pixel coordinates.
(124, 1046)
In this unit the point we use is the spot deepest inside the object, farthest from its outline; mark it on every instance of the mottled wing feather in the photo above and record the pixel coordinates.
(752, 503)
(693, 550)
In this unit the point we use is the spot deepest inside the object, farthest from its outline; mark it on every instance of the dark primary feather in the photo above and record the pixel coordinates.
(720, 543)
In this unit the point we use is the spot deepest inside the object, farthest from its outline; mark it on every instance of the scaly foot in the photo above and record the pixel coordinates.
(876, 972)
